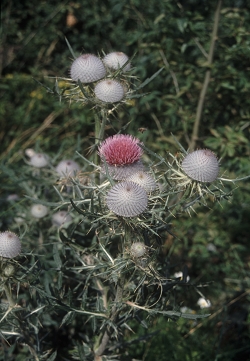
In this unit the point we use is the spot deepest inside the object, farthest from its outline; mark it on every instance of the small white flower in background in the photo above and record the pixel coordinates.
(20, 218)
(185, 309)
(138, 249)
(29, 152)
(180, 275)
(203, 303)
(61, 218)
(12, 197)
(39, 210)
(211, 247)
(67, 167)
(39, 160)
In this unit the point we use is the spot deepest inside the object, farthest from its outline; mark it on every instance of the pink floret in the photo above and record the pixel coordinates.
(120, 150)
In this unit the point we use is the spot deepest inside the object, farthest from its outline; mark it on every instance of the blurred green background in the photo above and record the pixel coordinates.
(175, 35)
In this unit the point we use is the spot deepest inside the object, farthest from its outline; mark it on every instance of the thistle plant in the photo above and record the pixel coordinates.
(105, 218)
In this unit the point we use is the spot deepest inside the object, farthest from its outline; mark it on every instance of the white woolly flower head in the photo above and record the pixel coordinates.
(39, 160)
(87, 68)
(127, 199)
(138, 249)
(10, 244)
(180, 275)
(203, 302)
(116, 60)
(61, 218)
(67, 167)
(201, 165)
(39, 210)
(144, 179)
(109, 91)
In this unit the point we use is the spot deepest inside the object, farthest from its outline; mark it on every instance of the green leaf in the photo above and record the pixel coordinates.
(70, 48)
(148, 80)
(67, 319)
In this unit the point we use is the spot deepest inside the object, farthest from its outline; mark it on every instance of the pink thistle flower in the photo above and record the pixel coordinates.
(122, 155)
(121, 150)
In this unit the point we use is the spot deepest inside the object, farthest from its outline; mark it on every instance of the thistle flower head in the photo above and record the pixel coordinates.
(39, 160)
(116, 60)
(138, 249)
(10, 244)
(87, 68)
(144, 179)
(201, 165)
(60, 218)
(127, 199)
(109, 91)
(39, 210)
(67, 167)
(203, 302)
(120, 150)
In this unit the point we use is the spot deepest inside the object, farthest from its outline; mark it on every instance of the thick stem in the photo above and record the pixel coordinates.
(114, 314)
(203, 92)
